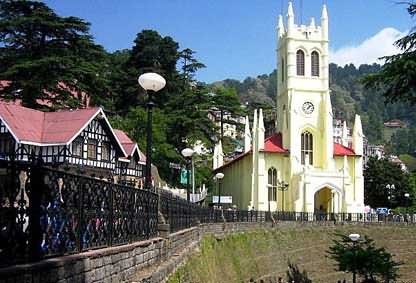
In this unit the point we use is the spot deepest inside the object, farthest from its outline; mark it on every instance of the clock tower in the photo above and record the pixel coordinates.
(299, 168)
(304, 111)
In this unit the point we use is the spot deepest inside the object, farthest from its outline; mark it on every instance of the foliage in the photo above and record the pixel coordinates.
(403, 141)
(378, 174)
(363, 258)
(409, 160)
(294, 275)
(181, 107)
(42, 53)
(397, 79)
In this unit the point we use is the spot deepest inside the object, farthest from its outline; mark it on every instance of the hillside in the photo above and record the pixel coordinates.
(264, 254)
(348, 97)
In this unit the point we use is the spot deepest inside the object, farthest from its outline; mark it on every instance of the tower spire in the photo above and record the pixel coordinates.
(324, 22)
(280, 27)
(290, 17)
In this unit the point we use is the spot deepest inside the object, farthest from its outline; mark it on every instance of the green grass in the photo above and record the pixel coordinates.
(239, 257)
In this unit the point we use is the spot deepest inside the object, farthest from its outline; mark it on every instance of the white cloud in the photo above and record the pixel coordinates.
(368, 51)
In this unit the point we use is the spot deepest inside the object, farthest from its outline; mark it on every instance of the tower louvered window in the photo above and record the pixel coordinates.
(300, 63)
(306, 148)
(315, 64)
(272, 184)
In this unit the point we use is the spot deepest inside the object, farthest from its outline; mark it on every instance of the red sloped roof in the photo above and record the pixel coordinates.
(128, 145)
(274, 144)
(125, 141)
(31, 125)
(4, 83)
(60, 127)
(24, 123)
(340, 150)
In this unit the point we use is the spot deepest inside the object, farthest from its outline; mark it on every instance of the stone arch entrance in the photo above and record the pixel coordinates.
(326, 200)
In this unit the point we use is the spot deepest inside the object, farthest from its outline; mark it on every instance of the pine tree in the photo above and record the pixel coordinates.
(42, 53)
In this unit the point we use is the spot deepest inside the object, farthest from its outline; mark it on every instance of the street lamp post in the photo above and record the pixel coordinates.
(150, 82)
(283, 186)
(354, 238)
(187, 153)
(407, 198)
(218, 177)
(390, 189)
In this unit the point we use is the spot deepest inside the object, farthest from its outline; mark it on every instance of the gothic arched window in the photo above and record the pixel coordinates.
(315, 64)
(307, 147)
(300, 63)
(272, 184)
(283, 70)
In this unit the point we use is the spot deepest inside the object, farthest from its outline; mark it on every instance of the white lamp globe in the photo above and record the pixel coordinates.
(219, 175)
(187, 152)
(354, 237)
(152, 81)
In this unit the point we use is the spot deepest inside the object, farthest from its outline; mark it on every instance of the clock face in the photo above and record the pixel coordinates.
(308, 107)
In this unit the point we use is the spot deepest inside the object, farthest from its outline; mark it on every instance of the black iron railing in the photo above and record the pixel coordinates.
(46, 212)
(341, 217)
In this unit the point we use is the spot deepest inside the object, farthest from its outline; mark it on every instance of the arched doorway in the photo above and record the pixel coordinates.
(324, 201)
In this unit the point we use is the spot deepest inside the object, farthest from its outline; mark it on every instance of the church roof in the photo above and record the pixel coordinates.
(340, 150)
(274, 144)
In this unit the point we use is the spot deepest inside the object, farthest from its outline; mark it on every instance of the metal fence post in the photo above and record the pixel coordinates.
(36, 192)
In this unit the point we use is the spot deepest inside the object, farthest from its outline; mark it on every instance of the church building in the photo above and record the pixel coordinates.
(300, 167)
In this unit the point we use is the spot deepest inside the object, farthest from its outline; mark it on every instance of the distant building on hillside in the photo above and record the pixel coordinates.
(338, 125)
(372, 150)
(395, 123)
(232, 124)
(396, 160)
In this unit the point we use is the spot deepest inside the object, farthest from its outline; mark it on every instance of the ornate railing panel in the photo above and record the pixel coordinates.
(45, 212)
(14, 213)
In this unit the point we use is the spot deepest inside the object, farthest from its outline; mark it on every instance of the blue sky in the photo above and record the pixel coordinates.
(237, 38)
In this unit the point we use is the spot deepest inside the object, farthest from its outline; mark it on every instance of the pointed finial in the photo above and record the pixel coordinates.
(344, 134)
(357, 136)
(290, 10)
(312, 25)
(358, 128)
(324, 12)
(261, 121)
(280, 26)
(247, 136)
(255, 121)
(290, 16)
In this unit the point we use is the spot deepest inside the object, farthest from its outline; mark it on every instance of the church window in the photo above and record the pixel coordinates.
(300, 63)
(272, 184)
(283, 70)
(315, 64)
(307, 148)
(77, 147)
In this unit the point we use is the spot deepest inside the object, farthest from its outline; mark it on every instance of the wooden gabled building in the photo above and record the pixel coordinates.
(81, 138)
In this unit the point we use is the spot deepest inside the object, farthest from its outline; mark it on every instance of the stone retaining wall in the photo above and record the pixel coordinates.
(145, 261)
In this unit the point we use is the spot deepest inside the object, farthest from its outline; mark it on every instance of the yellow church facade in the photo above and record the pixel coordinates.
(299, 168)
